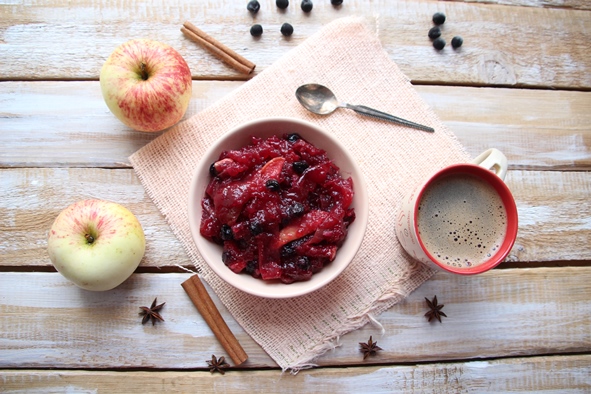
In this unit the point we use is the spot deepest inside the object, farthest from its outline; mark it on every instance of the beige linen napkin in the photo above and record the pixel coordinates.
(349, 59)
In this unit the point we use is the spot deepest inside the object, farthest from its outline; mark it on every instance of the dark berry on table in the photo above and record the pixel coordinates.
(434, 32)
(457, 41)
(439, 18)
(439, 43)
(253, 6)
(286, 29)
(293, 137)
(226, 233)
(336, 2)
(300, 166)
(273, 185)
(307, 5)
(282, 4)
(256, 30)
(212, 170)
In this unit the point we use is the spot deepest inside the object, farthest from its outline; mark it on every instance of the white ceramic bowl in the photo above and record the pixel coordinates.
(239, 137)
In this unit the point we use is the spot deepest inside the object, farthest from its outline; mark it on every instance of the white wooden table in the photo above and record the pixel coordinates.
(522, 83)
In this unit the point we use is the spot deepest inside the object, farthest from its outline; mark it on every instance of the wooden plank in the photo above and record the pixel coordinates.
(56, 124)
(32, 198)
(572, 4)
(554, 209)
(561, 373)
(536, 129)
(50, 323)
(554, 216)
(502, 47)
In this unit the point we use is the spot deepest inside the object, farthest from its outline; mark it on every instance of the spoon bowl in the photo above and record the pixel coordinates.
(322, 101)
(317, 99)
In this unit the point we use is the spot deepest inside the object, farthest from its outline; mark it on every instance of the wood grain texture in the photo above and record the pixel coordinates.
(502, 47)
(554, 211)
(49, 322)
(572, 4)
(67, 124)
(509, 330)
(535, 374)
(57, 124)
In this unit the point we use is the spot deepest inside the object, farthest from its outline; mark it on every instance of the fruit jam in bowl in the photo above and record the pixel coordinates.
(277, 207)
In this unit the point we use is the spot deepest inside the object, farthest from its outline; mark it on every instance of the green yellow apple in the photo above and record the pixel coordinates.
(96, 244)
(146, 84)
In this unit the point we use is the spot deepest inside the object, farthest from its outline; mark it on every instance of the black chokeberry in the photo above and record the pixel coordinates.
(212, 171)
(434, 32)
(288, 250)
(256, 30)
(255, 227)
(293, 137)
(272, 185)
(439, 43)
(336, 2)
(299, 167)
(297, 209)
(457, 41)
(283, 4)
(226, 233)
(226, 257)
(286, 29)
(251, 267)
(253, 6)
(307, 5)
(439, 18)
(303, 263)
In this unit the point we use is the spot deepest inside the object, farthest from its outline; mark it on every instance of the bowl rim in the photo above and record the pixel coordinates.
(232, 139)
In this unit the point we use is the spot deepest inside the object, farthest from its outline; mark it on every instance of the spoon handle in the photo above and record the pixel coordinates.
(361, 109)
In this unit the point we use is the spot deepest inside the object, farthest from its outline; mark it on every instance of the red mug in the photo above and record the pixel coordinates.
(463, 219)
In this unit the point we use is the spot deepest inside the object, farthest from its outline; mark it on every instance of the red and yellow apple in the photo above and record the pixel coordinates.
(96, 244)
(146, 85)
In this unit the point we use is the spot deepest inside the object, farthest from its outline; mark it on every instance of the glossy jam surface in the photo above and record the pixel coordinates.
(279, 207)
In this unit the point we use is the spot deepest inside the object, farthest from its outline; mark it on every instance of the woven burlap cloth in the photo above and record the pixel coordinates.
(347, 57)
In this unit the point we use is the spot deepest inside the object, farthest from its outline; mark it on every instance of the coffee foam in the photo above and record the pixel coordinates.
(461, 220)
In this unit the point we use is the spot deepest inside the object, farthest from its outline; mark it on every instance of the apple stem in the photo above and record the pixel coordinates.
(89, 238)
(143, 71)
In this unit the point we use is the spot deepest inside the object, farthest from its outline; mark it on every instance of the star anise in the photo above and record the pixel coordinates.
(217, 364)
(152, 312)
(435, 310)
(370, 348)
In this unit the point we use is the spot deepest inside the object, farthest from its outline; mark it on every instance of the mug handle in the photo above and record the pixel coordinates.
(494, 160)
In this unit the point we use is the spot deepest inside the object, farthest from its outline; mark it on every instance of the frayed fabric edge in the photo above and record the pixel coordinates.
(331, 342)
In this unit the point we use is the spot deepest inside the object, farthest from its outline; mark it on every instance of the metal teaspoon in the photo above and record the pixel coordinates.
(322, 101)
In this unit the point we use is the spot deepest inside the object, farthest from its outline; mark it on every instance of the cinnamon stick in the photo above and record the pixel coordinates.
(201, 299)
(218, 49)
